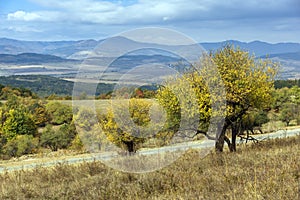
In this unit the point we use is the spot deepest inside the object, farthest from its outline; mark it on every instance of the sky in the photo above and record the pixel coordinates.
(203, 20)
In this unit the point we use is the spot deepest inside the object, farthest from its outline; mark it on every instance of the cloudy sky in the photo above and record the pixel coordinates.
(203, 20)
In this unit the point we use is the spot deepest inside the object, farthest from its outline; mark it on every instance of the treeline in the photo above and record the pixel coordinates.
(45, 86)
(6, 91)
(286, 83)
(48, 86)
(53, 88)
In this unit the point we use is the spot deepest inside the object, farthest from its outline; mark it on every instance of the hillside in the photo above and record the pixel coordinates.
(46, 85)
(31, 58)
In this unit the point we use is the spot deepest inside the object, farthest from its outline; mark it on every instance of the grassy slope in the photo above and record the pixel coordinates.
(269, 170)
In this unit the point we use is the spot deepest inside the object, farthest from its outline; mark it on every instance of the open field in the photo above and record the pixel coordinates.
(268, 170)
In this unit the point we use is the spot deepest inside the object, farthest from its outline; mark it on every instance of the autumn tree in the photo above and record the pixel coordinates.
(287, 104)
(18, 122)
(247, 82)
(59, 113)
(128, 125)
(88, 129)
(37, 109)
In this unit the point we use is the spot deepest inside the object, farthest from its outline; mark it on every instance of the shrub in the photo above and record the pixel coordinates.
(58, 139)
(20, 145)
(59, 113)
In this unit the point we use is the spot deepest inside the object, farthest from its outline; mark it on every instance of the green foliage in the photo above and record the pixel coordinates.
(287, 113)
(58, 139)
(18, 122)
(171, 104)
(20, 145)
(39, 84)
(278, 84)
(20, 118)
(253, 119)
(76, 143)
(85, 119)
(59, 113)
(13, 102)
(287, 104)
(6, 92)
(38, 111)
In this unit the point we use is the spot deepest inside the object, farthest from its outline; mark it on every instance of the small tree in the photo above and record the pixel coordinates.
(127, 132)
(38, 110)
(59, 113)
(18, 122)
(20, 145)
(287, 113)
(58, 139)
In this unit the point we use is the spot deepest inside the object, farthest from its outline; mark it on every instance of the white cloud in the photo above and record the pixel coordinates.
(23, 16)
(46, 16)
(154, 11)
(231, 19)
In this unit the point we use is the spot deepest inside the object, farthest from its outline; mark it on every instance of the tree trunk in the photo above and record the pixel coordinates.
(228, 143)
(130, 147)
(220, 140)
(234, 133)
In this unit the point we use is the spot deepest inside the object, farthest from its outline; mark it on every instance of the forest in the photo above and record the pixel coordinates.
(48, 86)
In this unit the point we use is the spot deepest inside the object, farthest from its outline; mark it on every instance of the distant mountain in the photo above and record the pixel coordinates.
(286, 56)
(257, 47)
(31, 58)
(57, 48)
(38, 52)
(11, 46)
(66, 49)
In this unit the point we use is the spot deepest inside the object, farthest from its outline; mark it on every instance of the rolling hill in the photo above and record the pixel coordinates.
(16, 52)
(31, 58)
(68, 48)
(47, 85)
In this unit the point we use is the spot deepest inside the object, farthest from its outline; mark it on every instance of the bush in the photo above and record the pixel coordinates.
(20, 145)
(58, 139)
(18, 122)
(59, 113)
(76, 143)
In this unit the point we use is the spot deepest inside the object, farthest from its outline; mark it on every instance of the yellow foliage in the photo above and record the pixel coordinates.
(247, 83)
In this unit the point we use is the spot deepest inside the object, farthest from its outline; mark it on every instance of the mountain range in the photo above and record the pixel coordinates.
(68, 48)
(41, 52)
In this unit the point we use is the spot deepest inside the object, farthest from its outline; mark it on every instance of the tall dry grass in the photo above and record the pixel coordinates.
(268, 170)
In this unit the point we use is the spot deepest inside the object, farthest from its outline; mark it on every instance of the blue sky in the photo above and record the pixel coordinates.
(203, 20)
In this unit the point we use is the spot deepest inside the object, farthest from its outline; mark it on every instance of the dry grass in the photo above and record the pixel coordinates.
(269, 170)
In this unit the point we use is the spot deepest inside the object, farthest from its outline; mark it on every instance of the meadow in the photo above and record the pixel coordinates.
(267, 170)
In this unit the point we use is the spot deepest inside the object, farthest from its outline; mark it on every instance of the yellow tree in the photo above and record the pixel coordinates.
(128, 124)
(247, 82)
